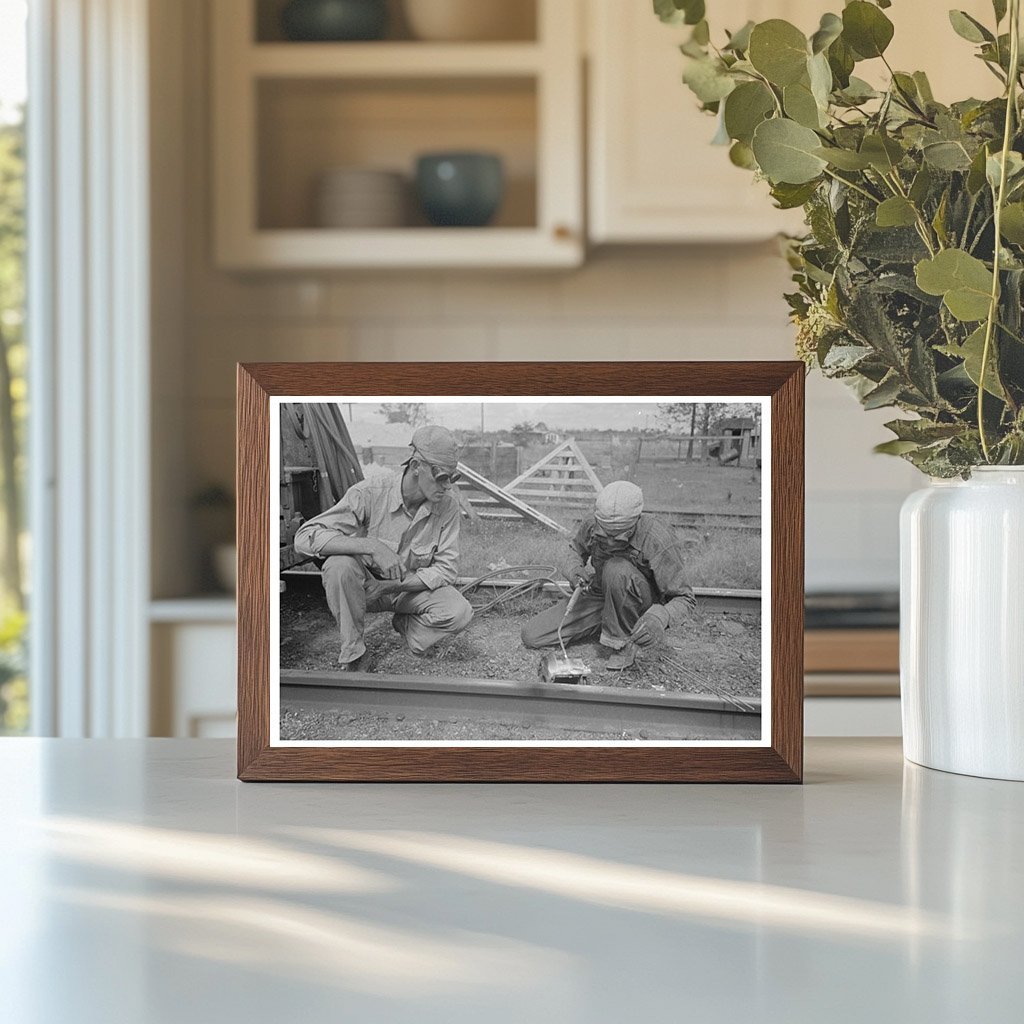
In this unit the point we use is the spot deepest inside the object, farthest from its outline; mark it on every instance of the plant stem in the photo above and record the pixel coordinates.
(855, 187)
(993, 309)
(922, 225)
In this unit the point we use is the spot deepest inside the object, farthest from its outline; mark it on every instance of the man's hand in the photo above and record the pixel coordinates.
(581, 577)
(385, 561)
(376, 589)
(651, 626)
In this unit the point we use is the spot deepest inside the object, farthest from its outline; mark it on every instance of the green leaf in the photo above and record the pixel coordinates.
(820, 75)
(999, 7)
(939, 220)
(800, 105)
(921, 185)
(858, 91)
(676, 12)
(963, 281)
(785, 152)
(895, 447)
(841, 60)
(742, 155)
(778, 50)
(844, 159)
(971, 352)
(739, 41)
(946, 156)
(883, 153)
(830, 28)
(885, 394)
(896, 212)
(924, 88)
(1014, 169)
(968, 28)
(745, 108)
(789, 197)
(708, 81)
(976, 174)
(1011, 226)
(923, 431)
(866, 29)
(701, 33)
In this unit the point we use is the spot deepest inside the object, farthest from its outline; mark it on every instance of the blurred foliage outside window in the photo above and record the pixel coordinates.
(14, 702)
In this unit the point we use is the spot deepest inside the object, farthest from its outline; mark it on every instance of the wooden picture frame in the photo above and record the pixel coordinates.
(778, 757)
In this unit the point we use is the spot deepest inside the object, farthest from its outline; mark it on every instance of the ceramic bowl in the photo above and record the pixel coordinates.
(359, 197)
(461, 189)
(334, 20)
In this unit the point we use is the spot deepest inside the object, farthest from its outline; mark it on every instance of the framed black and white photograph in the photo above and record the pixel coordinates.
(521, 571)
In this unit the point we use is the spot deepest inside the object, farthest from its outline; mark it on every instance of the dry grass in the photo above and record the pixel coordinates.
(727, 558)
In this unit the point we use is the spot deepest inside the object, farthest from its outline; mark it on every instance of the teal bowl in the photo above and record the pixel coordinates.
(334, 21)
(460, 190)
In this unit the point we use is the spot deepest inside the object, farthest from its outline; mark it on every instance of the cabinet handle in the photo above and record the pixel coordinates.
(563, 232)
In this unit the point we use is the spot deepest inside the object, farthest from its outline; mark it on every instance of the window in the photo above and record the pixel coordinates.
(14, 702)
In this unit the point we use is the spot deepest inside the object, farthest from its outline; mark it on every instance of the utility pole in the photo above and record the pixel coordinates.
(481, 417)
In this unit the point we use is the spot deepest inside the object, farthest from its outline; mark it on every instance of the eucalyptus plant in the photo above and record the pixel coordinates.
(910, 278)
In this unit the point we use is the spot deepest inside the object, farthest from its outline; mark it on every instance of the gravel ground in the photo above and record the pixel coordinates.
(303, 723)
(716, 653)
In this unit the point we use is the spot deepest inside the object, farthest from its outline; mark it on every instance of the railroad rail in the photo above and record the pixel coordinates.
(546, 705)
(712, 599)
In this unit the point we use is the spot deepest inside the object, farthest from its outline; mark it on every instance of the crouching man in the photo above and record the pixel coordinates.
(631, 566)
(392, 545)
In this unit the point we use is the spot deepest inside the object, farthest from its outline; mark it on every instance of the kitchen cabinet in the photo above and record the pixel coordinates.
(286, 113)
(653, 175)
(192, 650)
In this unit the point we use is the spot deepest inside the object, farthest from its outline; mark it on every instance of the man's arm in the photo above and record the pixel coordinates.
(575, 566)
(665, 556)
(341, 530)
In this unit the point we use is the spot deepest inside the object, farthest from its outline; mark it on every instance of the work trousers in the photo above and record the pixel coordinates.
(608, 611)
(423, 617)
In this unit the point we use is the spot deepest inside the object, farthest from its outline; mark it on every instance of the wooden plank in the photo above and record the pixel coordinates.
(504, 498)
(537, 465)
(586, 467)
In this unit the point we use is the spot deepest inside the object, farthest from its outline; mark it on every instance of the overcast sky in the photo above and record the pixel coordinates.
(501, 416)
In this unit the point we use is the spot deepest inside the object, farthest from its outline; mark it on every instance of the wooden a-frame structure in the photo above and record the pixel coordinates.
(563, 476)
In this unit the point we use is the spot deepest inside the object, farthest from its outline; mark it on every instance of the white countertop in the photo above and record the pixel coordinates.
(143, 884)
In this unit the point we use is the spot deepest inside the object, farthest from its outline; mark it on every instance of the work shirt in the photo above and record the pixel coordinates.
(426, 541)
(652, 548)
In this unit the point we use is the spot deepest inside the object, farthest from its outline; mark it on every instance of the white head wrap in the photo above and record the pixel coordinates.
(619, 506)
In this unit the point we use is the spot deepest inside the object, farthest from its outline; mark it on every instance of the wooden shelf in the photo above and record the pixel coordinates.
(400, 247)
(284, 113)
(393, 60)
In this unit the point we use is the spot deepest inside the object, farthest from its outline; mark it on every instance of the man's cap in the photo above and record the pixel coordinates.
(436, 445)
(619, 506)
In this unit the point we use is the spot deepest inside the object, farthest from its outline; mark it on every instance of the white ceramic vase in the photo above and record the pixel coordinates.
(962, 624)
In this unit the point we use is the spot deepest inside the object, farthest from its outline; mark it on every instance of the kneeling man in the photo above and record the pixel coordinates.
(392, 545)
(631, 567)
